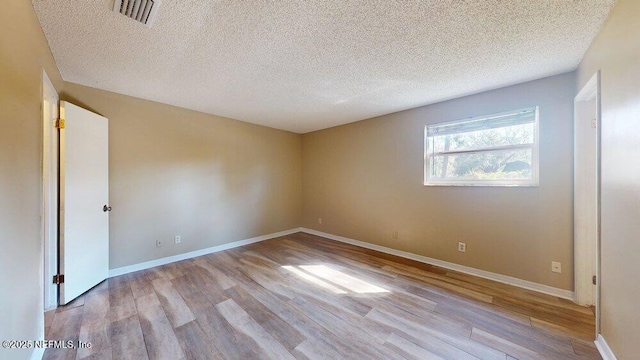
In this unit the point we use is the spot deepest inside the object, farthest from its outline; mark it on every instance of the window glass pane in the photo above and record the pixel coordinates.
(508, 135)
(490, 165)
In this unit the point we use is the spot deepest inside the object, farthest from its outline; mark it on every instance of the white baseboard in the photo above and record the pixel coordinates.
(604, 349)
(529, 285)
(153, 263)
(566, 294)
(37, 354)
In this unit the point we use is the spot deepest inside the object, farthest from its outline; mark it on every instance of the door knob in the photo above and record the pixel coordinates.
(106, 208)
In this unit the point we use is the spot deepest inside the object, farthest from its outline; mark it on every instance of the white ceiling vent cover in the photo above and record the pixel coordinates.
(143, 11)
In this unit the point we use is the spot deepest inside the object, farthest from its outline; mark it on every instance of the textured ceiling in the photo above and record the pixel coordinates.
(308, 65)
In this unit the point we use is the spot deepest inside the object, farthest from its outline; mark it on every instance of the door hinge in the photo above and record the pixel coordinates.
(60, 124)
(593, 279)
(58, 279)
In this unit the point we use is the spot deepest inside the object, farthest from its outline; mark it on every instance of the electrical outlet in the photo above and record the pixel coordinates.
(395, 235)
(462, 247)
(158, 243)
(556, 266)
(177, 239)
(319, 220)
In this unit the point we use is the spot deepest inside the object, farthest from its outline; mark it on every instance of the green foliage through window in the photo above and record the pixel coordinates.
(498, 149)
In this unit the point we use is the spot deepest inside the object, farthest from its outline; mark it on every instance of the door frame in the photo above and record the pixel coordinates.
(585, 252)
(49, 218)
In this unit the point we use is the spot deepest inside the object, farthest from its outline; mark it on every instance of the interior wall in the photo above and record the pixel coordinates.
(616, 53)
(174, 171)
(23, 54)
(365, 180)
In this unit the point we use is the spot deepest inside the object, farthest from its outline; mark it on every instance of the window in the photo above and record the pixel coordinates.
(494, 150)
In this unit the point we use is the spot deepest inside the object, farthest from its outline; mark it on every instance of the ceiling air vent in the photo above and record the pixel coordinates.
(142, 11)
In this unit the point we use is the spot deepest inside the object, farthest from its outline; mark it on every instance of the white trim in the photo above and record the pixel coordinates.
(587, 224)
(590, 89)
(604, 349)
(529, 285)
(153, 263)
(37, 354)
(565, 294)
(49, 193)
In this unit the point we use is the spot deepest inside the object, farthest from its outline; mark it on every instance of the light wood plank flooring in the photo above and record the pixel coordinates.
(306, 297)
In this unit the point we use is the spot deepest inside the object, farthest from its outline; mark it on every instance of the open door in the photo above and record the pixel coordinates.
(587, 195)
(50, 111)
(84, 200)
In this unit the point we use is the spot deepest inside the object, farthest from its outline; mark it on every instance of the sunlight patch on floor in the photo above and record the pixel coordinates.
(334, 280)
(314, 280)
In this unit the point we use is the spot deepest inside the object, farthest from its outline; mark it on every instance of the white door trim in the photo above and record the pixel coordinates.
(586, 251)
(49, 217)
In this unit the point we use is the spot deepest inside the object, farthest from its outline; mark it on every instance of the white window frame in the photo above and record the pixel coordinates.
(535, 160)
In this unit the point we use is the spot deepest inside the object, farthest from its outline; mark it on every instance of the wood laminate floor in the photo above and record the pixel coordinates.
(306, 297)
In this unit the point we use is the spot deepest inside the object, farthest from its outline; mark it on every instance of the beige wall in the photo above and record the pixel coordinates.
(214, 180)
(23, 55)
(365, 180)
(616, 52)
(174, 171)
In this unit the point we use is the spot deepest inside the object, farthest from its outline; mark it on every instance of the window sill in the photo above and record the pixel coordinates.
(531, 185)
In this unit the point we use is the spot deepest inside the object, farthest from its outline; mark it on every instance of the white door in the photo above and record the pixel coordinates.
(586, 199)
(84, 200)
(587, 151)
(50, 110)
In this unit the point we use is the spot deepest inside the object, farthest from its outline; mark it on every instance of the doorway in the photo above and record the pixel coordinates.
(587, 124)
(75, 188)
(50, 113)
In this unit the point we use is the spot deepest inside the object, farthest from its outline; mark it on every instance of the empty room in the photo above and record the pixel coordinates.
(438, 179)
